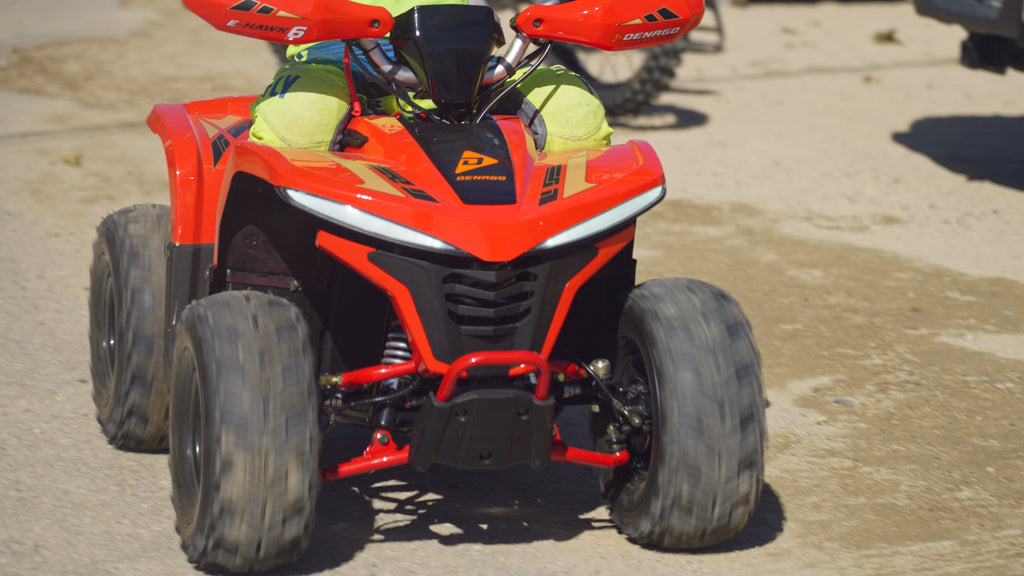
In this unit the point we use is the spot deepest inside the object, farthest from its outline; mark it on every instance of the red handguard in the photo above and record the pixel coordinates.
(612, 24)
(295, 21)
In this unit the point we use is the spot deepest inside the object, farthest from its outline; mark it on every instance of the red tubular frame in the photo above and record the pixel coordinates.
(363, 376)
(517, 358)
(380, 454)
(562, 452)
(382, 451)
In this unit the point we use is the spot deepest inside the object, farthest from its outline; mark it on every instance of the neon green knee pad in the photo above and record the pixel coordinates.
(301, 108)
(573, 115)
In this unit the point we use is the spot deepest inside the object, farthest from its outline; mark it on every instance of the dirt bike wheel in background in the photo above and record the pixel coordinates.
(280, 51)
(244, 432)
(626, 81)
(126, 326)
(688, 364)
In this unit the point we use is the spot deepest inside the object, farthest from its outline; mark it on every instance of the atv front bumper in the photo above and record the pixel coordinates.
(480, 429)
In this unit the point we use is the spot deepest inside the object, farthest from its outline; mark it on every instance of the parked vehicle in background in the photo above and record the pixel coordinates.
(996, 30)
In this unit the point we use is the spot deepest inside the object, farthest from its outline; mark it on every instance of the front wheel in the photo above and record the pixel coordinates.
(244, 432)
(687, 364)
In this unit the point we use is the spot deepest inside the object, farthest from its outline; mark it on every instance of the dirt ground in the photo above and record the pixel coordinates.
(859, 192)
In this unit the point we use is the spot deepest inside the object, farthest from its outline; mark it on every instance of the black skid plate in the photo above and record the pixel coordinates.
(483, 430)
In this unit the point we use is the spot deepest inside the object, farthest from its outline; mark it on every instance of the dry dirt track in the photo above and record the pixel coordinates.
(846, 190)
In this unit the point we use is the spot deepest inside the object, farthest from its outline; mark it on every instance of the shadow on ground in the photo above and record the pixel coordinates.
(661, 117)
(764, 527)
(454, 507)
(979, 147)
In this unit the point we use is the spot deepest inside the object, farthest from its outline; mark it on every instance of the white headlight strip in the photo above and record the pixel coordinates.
(356, 219)
(606, 220)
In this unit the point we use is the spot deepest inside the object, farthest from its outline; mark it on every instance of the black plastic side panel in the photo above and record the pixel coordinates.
(591, 326)
(261, 235)
(187, 280)
(268, 245)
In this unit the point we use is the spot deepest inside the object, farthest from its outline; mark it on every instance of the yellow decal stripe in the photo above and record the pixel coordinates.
(371, 179)
(576, 175)
(213, 126)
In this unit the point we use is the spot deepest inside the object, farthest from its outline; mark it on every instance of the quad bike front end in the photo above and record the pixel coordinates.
(434, 279)
(417, 297)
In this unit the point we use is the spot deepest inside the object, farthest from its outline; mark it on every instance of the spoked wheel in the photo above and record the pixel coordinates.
(244, 432)
(688, 367)
(626, 81)
(126, 326)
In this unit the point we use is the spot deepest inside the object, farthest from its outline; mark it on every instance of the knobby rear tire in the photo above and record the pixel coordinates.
(637, 88)
(126, 326)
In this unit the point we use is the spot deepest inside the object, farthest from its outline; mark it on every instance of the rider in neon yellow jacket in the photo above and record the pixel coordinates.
(309, 95)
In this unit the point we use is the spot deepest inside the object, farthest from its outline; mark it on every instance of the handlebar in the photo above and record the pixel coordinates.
(501, 67)
(601, 24)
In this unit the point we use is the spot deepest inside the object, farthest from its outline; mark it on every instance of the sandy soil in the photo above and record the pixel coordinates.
(862, 198)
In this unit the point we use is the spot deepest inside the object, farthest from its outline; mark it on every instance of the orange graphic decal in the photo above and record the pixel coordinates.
(472, 161)
(213, 126)
(372, 180)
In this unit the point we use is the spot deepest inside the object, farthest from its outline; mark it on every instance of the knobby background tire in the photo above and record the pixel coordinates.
(245, 434)
(697, 475)
(126, 326)
(637, 88)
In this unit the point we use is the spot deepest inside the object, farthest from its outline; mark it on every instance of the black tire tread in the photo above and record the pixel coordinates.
(708, 475)
(256, 512)
(132, 242)
(647, 83)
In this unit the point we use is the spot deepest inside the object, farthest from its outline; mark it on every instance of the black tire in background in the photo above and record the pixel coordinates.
(626, 81)
(280, 51)
(244, 432)
(687, 361)
(126, 326)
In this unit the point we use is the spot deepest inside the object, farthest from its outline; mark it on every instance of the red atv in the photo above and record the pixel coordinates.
(433, 278)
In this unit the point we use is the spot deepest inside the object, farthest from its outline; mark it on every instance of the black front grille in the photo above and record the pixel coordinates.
(489, 303)
(484, 306)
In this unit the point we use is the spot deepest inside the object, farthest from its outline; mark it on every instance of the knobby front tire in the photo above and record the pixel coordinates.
(244, 432)
(687, 361)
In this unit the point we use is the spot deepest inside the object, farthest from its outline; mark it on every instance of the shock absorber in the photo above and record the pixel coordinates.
(396, 347)
(396, 351)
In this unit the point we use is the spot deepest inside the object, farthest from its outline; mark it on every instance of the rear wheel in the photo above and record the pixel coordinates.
(126, 326)
(244, 432)
(687, 364)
